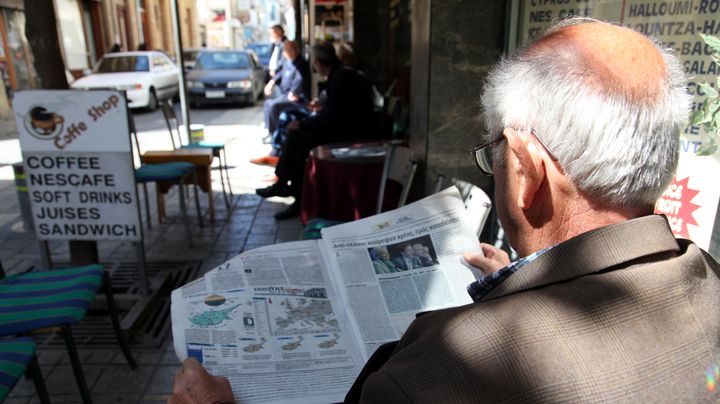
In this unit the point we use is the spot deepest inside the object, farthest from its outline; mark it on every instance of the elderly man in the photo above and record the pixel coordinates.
(605, 305)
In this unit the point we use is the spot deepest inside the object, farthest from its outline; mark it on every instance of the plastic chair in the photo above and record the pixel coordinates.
(399, 166)
(54, 301)
(477, 202)
(218, 149)
(17, 358)
(176, 172)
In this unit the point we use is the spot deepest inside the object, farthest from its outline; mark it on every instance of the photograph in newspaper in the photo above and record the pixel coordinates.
(412, 254)
(394, 265)
(266, 320)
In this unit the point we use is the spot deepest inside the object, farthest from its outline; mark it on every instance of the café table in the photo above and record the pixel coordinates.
(201, 158)
(342, 182)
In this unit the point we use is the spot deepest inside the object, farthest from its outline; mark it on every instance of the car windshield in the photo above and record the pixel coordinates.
(119, 64)
(260, 49)
(222, 60)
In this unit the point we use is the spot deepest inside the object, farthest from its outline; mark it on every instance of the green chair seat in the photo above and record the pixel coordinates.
(48, 298)
(163, 171)
(15, 357)
(203, 145)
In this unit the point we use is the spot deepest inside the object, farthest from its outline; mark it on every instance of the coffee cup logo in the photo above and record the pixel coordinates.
(43, 124)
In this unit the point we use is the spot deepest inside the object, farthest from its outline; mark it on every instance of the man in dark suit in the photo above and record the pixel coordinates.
(605, 305)
(407, 260)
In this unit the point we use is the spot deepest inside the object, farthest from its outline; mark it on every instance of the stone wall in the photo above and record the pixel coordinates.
(453, 46)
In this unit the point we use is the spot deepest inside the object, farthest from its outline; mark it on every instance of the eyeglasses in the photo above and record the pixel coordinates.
(483, 153)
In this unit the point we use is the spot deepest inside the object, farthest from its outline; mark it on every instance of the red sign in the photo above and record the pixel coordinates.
(676, 204)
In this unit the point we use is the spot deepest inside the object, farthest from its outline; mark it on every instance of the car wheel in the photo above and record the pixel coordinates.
(152, 100)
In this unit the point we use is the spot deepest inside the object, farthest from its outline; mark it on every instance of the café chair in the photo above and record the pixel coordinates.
(17, 358)
(53, 301)
(173, 172)
(477, 202)
(218, 149)
(399, 166)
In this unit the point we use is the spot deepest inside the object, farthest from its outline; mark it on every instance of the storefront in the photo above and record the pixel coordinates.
(16, 65)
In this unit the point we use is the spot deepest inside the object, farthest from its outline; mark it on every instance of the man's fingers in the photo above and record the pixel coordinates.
(495, 253)
(487, 266)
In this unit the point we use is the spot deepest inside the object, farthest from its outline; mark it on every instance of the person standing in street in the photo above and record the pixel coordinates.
(277, 37)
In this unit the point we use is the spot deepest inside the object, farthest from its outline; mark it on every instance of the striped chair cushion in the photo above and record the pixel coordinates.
(15, 356)
(47, 298)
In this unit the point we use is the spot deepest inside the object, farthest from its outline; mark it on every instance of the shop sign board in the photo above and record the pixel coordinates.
(691, 201)
(78, 164)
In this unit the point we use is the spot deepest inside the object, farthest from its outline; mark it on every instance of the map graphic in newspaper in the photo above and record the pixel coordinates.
(304, 316)
(212, 317)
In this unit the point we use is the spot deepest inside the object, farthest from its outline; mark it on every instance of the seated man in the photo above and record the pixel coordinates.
(293, 91)
(422, 253)
(381, 261)
(605, 305)
(406, 260)
(347, 114)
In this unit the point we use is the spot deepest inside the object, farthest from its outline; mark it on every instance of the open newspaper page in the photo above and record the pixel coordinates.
(269, 321)
(393, 265)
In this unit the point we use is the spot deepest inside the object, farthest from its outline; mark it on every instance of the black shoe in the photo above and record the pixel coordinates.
(289, 212)
(274, 190)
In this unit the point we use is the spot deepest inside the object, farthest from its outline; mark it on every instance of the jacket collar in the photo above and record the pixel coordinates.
(605, 248)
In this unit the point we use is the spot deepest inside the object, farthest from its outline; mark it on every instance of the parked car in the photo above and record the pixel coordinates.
(146, 76)
(225, 76)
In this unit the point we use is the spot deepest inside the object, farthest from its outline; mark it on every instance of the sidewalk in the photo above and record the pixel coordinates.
(247, 225)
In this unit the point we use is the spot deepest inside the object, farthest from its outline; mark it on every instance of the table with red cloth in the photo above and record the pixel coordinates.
(342, 181)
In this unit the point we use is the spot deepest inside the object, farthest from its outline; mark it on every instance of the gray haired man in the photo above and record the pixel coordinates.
(605, 305)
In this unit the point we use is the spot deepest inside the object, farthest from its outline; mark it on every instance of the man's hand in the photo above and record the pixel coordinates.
(315, 105)
(193, 384)
(292, 97)
(294, 125)
(493, 259)
(269, 86)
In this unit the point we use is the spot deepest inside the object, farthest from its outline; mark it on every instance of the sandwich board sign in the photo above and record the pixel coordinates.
(78, 164)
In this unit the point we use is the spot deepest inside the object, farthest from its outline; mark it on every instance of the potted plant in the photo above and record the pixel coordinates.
(708, 116)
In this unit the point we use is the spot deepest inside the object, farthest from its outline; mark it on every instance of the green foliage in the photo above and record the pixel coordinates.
(708, 117)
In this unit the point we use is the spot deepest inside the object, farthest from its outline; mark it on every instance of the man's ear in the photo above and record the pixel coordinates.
(528, 168)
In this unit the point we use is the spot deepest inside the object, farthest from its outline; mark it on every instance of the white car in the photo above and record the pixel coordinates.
(146, 76)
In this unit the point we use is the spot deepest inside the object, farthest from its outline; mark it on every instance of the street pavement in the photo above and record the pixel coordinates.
(248, 224)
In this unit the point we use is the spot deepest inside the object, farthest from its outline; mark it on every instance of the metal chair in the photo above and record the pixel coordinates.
(218, 149)
(400, 166)
(477, 202)
(53, 301)
(17, 357)
(175, 172)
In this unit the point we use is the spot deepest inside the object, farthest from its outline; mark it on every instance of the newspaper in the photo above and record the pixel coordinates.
(295, 322)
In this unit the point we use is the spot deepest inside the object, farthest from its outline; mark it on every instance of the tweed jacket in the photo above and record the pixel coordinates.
(624, 313)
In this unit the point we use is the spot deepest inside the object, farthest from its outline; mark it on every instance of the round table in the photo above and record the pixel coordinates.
(342, 181)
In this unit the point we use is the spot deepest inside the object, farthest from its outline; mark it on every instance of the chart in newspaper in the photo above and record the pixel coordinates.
(266, 321)
(383, 294)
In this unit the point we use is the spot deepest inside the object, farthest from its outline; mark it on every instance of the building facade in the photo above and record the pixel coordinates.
(87, 29)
